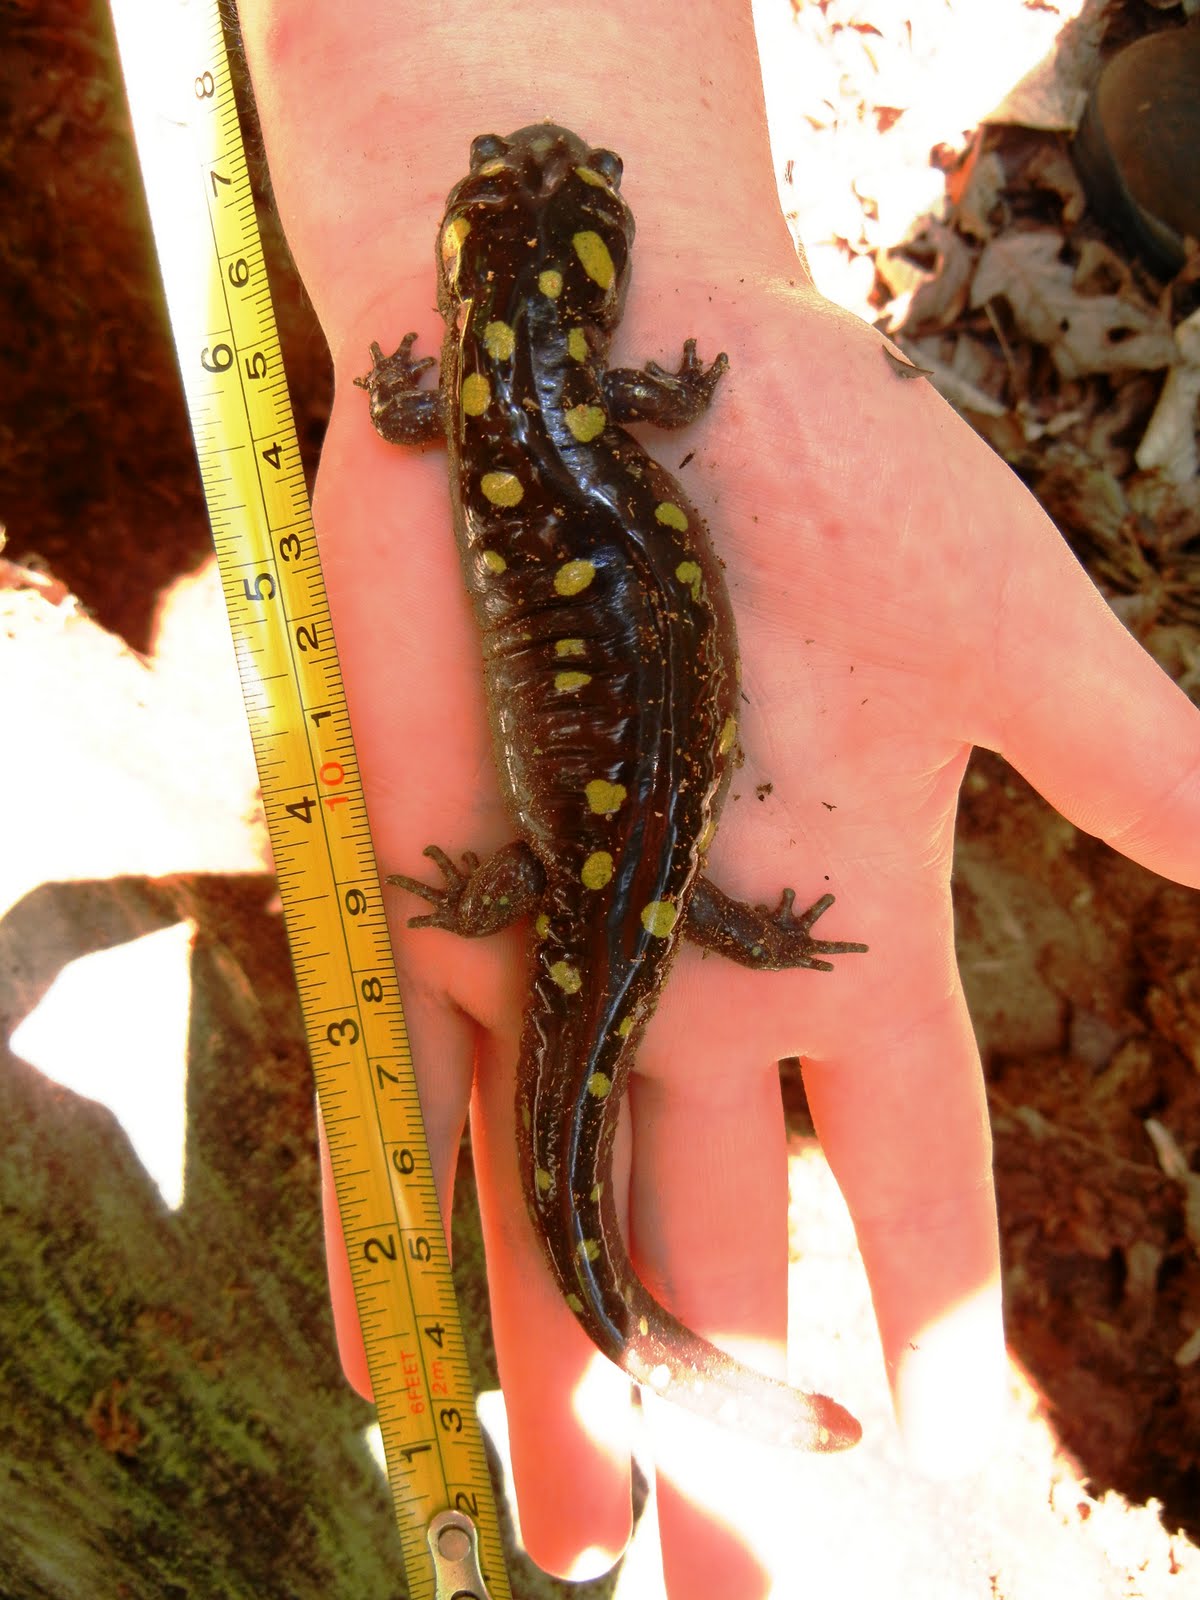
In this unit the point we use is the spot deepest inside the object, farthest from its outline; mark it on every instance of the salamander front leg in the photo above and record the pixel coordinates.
(481, 898)
(671, 399)
(401, 411)
(756, 936)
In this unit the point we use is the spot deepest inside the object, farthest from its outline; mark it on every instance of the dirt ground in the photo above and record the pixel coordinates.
(1083, 971)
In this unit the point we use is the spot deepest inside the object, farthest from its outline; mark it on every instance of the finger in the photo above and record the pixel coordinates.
(442, 1040)
(905, 1126)
(708, 1226)
(708, 1202)
(1091, 720)
(569, 1410)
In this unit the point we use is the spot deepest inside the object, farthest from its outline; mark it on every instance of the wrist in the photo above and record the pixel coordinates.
(363, 147)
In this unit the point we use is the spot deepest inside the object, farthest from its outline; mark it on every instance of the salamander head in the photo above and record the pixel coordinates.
(541, 203)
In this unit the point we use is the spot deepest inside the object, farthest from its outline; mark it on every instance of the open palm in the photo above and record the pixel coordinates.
(899, 598)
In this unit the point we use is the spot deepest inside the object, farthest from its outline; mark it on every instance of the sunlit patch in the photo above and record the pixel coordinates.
(372, 1437)
(114, 1026)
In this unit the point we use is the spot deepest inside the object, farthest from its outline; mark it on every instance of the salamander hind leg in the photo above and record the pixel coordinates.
(671, 399)
(756, 936)
(401, 411)
(480, 898)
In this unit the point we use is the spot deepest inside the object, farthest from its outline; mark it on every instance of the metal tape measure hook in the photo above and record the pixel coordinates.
(455, 1547)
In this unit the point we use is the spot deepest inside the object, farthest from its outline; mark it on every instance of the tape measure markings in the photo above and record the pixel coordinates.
(311, 784)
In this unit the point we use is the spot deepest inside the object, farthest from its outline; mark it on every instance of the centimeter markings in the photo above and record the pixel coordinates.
(202, 208)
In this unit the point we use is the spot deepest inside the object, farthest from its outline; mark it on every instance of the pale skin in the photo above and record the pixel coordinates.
(899, 597)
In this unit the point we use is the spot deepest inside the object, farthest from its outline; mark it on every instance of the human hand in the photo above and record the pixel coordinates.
(899, 598)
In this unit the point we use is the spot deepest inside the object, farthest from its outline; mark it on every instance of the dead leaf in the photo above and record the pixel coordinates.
(975, 189)
(1083, 333)
(1174, 1165)
(940, 300)
(1052, 168)
(1169, 442)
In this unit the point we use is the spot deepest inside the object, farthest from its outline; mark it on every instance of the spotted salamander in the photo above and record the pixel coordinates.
(611, 671)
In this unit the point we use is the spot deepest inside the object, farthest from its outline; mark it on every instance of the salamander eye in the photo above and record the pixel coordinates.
(608, 164)
(487, 147)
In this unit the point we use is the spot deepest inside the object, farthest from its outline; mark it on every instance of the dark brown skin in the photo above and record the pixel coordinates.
(610, 664)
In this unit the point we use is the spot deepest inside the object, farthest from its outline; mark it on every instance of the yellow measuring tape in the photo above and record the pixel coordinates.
(194, 166)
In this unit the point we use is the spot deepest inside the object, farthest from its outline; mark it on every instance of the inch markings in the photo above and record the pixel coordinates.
(202, 209)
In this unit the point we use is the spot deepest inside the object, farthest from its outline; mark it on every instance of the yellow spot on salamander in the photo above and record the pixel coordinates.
(706, 838)
(543, 1180)
(594, 257)
(476, 394)
(494, 561)
(659, 917)
(526, 1119)
(625, 1027)
(571, 680)
(588, 1249)
(489, 169)
(502, 489)
(590, 176)
(542, 926)
(499, 341)
(597, 870)
(569, 647)
(728, 735)
(643, 1327)
(669, 514)
(577, 345)
(574, 1303)
(574, 576)
(604, 798)
(453, 235)
(599, 1085)
(566, 977)
(597, 1191)
(586, 422)
(550, 283)
(688, 572)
